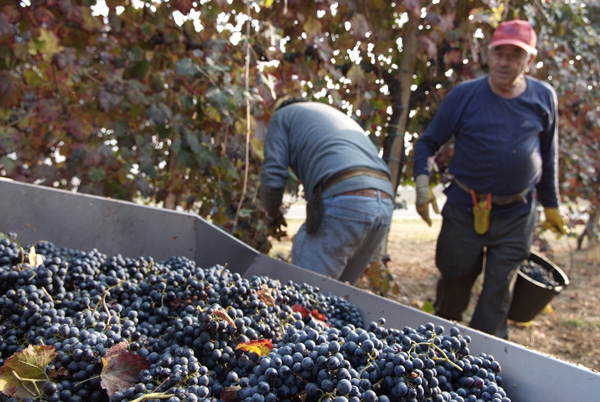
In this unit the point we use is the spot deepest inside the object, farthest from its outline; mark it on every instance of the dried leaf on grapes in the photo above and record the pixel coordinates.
(23, 370)
(266, 295)
(261, 347)
(121, 368)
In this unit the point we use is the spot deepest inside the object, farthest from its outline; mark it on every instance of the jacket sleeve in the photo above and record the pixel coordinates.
(547, 188)
(275, 168)
(437, 133)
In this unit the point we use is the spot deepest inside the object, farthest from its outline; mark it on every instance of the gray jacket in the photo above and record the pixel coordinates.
(316, 141)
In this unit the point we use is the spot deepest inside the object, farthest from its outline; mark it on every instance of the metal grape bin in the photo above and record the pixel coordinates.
(87, 222)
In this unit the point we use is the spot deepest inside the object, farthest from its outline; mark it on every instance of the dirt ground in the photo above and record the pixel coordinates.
(567, 329)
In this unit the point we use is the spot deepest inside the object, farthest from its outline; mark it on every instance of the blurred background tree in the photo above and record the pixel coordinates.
(166, 103)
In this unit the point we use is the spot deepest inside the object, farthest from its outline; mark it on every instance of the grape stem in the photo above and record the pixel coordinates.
(47, 294)
(153, 395)
(108, 325)
(34, 381)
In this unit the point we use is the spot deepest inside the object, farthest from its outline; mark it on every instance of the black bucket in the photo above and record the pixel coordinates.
(530, 296)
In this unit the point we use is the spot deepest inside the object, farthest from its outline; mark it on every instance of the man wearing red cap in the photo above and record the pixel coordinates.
(505, 161)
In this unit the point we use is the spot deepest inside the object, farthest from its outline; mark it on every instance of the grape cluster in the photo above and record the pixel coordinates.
(538, 273)
(189, 322)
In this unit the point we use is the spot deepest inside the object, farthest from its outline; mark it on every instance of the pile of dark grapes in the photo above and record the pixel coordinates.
(539, 273)
(188, 322)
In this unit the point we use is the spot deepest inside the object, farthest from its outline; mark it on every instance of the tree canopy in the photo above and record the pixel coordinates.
(166, 102)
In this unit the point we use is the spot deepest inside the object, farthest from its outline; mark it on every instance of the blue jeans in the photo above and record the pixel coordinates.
(352, 231)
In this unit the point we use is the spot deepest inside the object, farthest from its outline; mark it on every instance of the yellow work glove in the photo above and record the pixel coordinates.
(555, 222)
(424, 198)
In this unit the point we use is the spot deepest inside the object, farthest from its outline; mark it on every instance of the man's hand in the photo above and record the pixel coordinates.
(275, 221)
(424, 198)
(555, 222)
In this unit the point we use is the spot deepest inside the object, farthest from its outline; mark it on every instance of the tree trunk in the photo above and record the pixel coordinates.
(394, 149)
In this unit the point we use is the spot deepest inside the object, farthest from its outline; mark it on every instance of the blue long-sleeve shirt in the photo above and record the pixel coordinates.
(502, 146)
(316, 141)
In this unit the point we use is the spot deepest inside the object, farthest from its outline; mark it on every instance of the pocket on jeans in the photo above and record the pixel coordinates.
(343, 234)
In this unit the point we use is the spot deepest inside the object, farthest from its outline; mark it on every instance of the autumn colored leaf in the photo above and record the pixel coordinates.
(58, 375)
(183, 6)
(319, 318)
(23, 371)
(266, 295)
(47, 44)
(428, 308)
(314, 315)
(360, 25)
(261, 347)
(43, 16)
(70, 9)
(298, 308)
(229, 394)
(4, 25)
(10, 91)
(121, 368)
(224, 316)
(312, 26)
(35, 260)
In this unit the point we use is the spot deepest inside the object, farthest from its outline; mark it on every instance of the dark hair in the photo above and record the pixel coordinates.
(293, 99)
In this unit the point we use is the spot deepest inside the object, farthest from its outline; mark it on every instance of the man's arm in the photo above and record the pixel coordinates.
(548, 186)
(548, 192)
(438, 132)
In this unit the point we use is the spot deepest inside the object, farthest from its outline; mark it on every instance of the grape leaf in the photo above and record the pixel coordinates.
(314, 315)
(121, 368)
(183, 6)
(186, 67)
(266, 295)
(10, 92)
(28, 365)
(360, 25)
(229, 394)
(47, 44)
(298, 308)
(5, 28)
(223, 315)
(428, 308)
(35, 260)
(261, 348)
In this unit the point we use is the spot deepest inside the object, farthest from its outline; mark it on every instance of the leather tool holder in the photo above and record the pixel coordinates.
(314, 211)
(482, 210)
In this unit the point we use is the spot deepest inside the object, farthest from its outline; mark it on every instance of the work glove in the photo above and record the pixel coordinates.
(275, 224)
(555, 222)
(424, 198)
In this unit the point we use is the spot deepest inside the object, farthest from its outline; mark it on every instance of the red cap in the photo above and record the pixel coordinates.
(515, 32)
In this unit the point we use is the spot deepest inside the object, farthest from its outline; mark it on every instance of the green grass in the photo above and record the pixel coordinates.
(414, 230)
(581, 324)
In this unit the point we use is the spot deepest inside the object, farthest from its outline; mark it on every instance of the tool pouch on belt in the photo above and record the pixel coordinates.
(482, 210)
(314, 211)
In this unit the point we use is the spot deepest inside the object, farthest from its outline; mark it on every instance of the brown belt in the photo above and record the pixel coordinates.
(368, 192)
(500, 199)
(346, 174)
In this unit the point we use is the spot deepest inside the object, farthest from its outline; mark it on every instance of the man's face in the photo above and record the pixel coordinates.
(507, 63)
